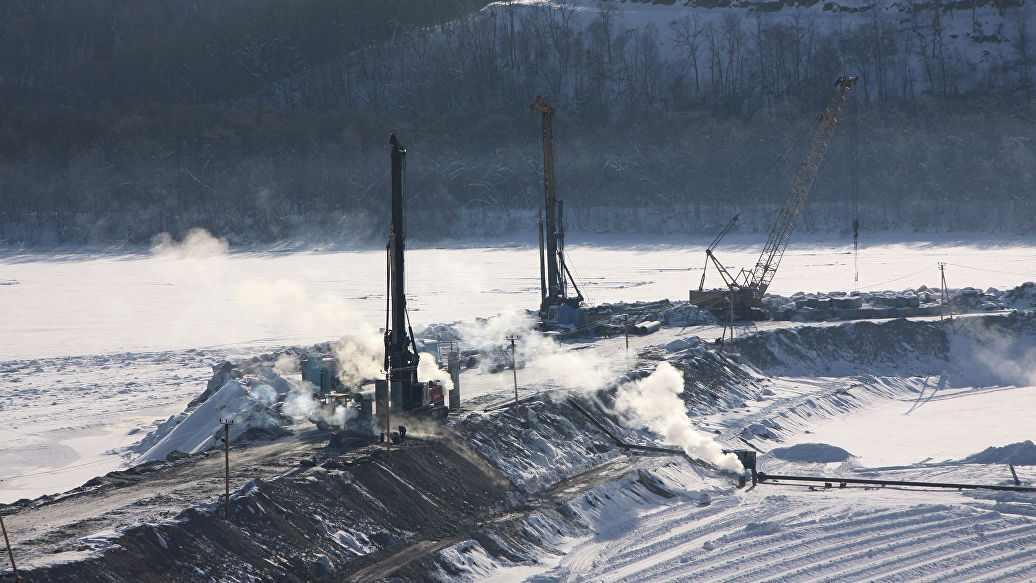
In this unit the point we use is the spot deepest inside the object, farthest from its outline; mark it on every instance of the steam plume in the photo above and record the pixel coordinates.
(542, 356)
(197, 243)
(654, 400)
(300, 401)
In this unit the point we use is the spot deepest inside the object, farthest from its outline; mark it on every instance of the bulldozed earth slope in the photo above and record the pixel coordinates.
(550, 493)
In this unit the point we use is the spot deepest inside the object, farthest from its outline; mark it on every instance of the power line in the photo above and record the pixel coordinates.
(989, 270)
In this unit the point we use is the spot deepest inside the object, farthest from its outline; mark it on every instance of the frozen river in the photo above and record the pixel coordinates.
(59, 304)
(96, 348)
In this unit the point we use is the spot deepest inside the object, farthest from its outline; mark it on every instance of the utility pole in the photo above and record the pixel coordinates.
(944, 296)
(730, 322)
(226, 466)
(388, 413)
(731, 317)
(626, 321)
(10, 553)
(514, 371)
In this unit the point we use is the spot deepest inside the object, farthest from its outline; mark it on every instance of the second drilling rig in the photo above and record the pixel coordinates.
(558, 309)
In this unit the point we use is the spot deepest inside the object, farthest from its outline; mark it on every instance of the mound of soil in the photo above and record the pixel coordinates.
(818, 453)
(1019, 454)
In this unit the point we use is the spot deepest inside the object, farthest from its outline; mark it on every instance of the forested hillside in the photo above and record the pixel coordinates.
(268, 119)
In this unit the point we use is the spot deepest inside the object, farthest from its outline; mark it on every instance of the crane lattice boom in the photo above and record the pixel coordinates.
(770, 258)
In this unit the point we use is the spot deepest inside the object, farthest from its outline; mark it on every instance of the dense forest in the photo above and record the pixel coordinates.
(268, 119)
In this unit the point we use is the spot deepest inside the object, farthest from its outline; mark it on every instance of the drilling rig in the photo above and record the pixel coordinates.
(744, 292)
(557, 308)
(402, 389)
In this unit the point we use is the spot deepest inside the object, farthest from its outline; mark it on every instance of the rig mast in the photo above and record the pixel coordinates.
(401, 356)
(554, 288)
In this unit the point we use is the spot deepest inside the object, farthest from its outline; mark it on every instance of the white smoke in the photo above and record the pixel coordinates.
(300, 402)
(654, 401)
(542, 356)
(992, 355)
(427, 370)
(360, 357)
(197, 243)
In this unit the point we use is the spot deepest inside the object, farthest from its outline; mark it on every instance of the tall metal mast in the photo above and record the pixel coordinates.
(554, 290)
(400, 350)
(554, 276)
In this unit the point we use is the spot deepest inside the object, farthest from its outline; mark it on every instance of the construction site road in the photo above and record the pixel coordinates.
(56, 526)
(564, 490)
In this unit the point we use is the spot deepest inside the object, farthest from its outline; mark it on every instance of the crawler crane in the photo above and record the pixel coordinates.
(744, 292)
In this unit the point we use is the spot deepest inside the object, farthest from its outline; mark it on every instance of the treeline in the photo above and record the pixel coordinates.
(85, 53)
(736, 60)
(268, 119)
(265, 174)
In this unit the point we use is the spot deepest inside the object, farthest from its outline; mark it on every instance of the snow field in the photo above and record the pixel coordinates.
(622, 531)
(198, 294)
(785, 387)
(68, 419)
(144, 314)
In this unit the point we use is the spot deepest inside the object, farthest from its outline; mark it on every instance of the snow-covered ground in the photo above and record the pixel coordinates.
(204, 296)
(98, 348)
(682, 524)
(951, 425)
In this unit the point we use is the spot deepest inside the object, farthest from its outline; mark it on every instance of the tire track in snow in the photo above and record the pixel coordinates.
(1024, 568)
(665, 550)
(836, 533)
(962, 562)
(892, 556)
(788, 545)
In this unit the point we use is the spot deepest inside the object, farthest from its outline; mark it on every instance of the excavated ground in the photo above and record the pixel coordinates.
(310, 511)
(493, 486)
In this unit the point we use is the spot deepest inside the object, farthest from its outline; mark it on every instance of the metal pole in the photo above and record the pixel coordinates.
(626, 321)
(731, 341)
(764, 477)
(226, 467)
(543, 266)
(514, 371)
(10, 553)
(1014, 475)
(388, 413)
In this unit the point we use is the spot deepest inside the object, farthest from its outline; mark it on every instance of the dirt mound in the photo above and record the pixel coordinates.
(817, 453)
(1019, 454)
(901, 347)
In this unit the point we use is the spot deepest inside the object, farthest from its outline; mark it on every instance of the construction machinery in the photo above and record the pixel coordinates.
(558, 309)
(402, 391)
(341, 406)
(744, 292)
